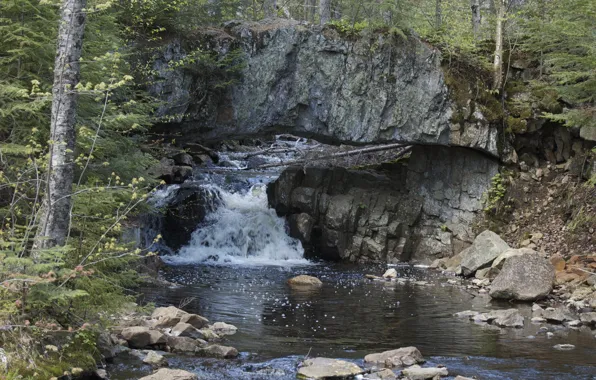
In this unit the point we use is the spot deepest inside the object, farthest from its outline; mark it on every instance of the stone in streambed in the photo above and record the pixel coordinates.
(305, 282)
(524, 278)
(390, 273)
(171, 374)
(141, 337)
(325, 368)
(401, 357)
(505, 318)
(588, 318)
(416, 372)
(155, 360)
(222, 328)
(217, 351)
(384, 374)
(184, 344)
(187, 330)
(170, 316)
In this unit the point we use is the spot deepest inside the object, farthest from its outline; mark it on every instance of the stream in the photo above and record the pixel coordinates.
(235, 270)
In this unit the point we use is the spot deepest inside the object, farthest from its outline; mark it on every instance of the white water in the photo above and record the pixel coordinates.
(243, 230)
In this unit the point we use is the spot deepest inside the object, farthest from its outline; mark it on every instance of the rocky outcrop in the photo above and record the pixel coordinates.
(311, 81)
(423, 209)
(527, 277)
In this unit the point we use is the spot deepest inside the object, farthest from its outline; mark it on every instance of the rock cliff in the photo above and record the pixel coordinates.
(314, 82)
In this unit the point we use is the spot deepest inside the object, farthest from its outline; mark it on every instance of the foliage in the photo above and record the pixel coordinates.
(495, 194)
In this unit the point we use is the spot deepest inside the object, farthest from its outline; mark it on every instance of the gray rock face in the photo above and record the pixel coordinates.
(486, 247)
(324, 368)
(401, 357)
(310, 81)
(524, 278)
(421, 210)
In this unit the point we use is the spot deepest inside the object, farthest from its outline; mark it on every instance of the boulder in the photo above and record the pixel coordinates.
(500, 260)
(141, 337)
(222, 328)
(524, 278)
(486, 247)
(187, 330)
(171, 374)
(184, 343)
(183, 159)
(505, 318)
(195, 320)
(155, 360)
(324, 368)
(167, 316)
(555, 315)
(416, 372)
(588, 318)
(305, 282)
(390, 273)
(217, 351)
(401, 357)
(208, 334)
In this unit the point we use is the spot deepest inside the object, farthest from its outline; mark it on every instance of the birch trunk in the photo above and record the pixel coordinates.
(498, 62)
(325, 11)
(476, 17)
(54, 213)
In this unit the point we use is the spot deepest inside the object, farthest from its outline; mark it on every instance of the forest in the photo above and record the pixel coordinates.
(79, 148)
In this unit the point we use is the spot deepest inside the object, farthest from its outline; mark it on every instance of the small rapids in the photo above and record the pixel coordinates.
(242, 230)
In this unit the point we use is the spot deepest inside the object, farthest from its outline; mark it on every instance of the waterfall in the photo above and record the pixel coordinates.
(242, 230)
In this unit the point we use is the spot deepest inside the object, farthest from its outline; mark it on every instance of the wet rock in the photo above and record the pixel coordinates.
(564, 347)
(416, 372)
(505, 318)
(183, 159)
(187, 330)
(385, 374)
(171, 374)
(400, 357)
(305, 282)
(141, 337)
(155, 360)
(109, 346)
(184, 343)
(170, 316)
(101, 374)
(486, 247)
(222, 328)
(468, 314)
(524, 278)
(325, 368)
(301, 226)
(208, 334)
(588, 318)
(555, 315)
(390, 273)
(217, 351)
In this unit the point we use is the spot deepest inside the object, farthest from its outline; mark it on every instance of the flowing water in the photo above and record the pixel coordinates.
(235, 270)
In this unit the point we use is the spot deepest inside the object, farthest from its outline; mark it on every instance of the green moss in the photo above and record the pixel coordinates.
(516, 125)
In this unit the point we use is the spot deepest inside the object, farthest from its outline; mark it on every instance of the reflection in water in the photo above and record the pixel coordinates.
(351, 317)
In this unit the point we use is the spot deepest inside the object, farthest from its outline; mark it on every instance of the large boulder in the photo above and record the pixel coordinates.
(400, 357)
(304, 282)
(141, 337)
(171, 374)
(324, 368)
(486, 247)
(528, 277)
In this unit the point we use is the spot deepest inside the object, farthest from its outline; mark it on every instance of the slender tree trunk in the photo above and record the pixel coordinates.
(476, 18)
(438, 15)
(54, 214)
(325, 11)
(498, 62)
(269, 6)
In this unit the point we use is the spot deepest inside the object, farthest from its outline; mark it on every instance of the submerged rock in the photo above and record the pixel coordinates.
(154, 359)
(305, 282)
(528, 277)
(505, 318)
(486, 247)
(416, 372)
(171, 374)
(401, 357)
(325, 368)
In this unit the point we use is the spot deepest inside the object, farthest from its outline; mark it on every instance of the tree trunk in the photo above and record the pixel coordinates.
(54, 214)
(270, 10)
(498, 62)
(438, 15)
(325, 11)
(476, 18)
